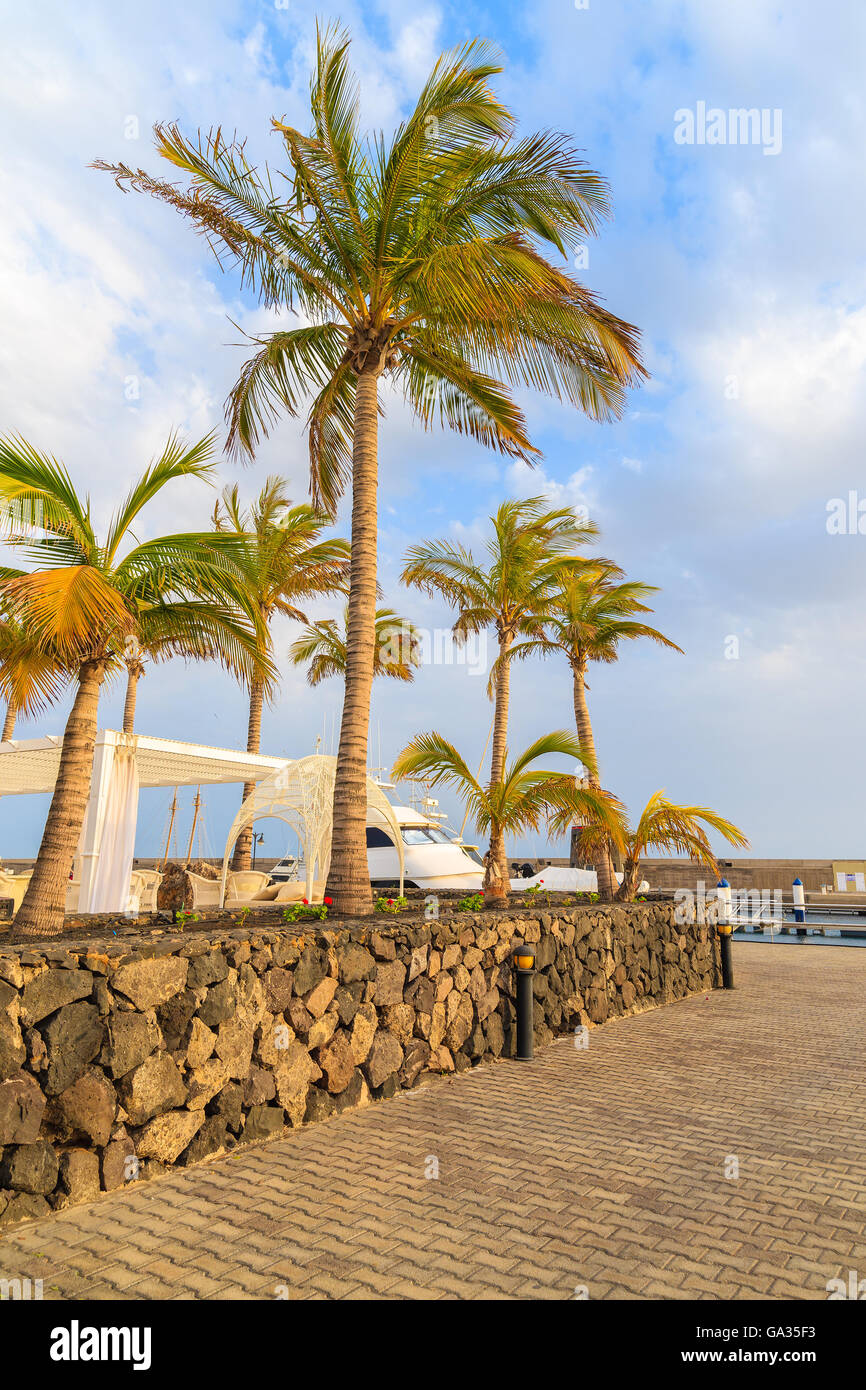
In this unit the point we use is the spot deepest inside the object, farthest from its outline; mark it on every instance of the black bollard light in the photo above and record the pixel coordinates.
(524, 967)
(725, 929)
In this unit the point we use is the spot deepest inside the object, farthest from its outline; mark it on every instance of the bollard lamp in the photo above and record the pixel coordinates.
(523, 957)
(725, 930)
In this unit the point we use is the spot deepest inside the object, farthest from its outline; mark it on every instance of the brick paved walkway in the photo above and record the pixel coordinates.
(602, 1168)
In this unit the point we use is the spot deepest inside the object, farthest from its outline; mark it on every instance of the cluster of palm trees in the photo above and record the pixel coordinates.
(420, 266)
(94, 606)
(540, 598)
(421, 263)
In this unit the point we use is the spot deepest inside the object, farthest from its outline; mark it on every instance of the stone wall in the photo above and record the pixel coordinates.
(122, 1057)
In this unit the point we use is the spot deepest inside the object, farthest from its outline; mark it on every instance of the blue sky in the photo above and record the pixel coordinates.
(743, 269)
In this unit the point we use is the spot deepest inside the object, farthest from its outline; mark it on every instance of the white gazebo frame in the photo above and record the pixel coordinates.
(301, 793)
(29, 767)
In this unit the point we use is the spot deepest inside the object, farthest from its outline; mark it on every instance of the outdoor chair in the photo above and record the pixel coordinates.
(205, 891)
(14, 886)
(143, 886)
(150, 880)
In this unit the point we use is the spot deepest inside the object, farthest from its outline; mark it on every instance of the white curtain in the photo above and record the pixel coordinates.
(110, 891)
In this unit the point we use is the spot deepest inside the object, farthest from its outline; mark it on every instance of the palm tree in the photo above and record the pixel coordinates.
(322, 648)
(287, 563)
(82, 603)
(30, 678)
(668, 827)
(590, 616)
(520, 800)
(531, 547)
(423, 260)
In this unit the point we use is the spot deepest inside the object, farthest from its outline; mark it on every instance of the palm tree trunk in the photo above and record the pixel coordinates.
(349, 876)
(499, 886)
(244, 843)
(626, 891)
(496, 887)
(42, 911)
(9, 721)
(603, 862)
(133, 675)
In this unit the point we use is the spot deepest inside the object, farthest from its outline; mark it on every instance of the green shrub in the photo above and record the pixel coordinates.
(391, 904)
(306, 912)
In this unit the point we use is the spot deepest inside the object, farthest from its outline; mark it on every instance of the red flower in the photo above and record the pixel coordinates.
(329, 902)
(306, 902)
(390, 900)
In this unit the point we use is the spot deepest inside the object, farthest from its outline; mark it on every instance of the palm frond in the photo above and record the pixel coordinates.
(433, 758)
(678, 829)
(31, 677)
(45, 487)
(73, 611)
(287, 366)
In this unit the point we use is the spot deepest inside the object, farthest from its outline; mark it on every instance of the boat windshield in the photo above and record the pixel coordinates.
(433, 835)
(414, 835)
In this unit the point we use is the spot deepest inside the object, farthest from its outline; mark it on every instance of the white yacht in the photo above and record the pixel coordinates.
(433, 858)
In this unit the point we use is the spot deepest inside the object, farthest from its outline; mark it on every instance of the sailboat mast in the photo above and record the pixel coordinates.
(170, 828)
(196, 805)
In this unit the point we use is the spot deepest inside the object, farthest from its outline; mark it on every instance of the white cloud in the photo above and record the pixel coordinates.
(523, 480)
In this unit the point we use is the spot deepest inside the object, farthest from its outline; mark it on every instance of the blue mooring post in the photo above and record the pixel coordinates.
(524, 968)
(799, 901)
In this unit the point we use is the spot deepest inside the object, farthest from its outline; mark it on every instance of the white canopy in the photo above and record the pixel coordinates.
(29, 765)
(122, 763)
(302, 794)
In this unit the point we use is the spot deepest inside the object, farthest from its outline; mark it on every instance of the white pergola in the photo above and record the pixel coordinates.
(122, 764)
(301, 793)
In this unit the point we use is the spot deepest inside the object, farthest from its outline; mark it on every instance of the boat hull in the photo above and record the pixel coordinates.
(433, 868)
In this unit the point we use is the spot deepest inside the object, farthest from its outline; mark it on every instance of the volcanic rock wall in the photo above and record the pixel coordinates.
(120, 1058)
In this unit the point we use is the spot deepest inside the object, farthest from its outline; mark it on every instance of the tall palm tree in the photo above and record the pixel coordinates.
(519, 800)
(590, 616)
(322, 648)
(668, 827)
(81, 602)
(531, 547)
(422, 259)
(287, 564)
(30, 678)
